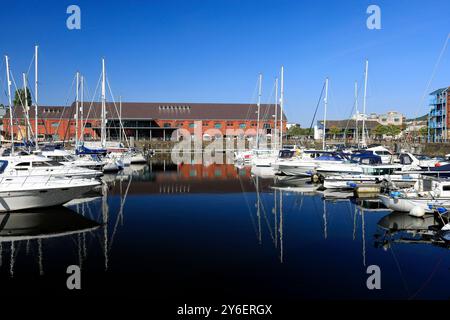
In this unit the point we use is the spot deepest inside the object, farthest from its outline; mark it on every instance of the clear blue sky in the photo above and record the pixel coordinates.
(212, 51)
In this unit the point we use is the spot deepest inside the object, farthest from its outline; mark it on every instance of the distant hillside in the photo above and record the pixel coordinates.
(424, 117)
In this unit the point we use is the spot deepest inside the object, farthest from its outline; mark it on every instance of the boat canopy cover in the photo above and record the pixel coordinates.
(331, 157)
(366, 158)
(84, 150)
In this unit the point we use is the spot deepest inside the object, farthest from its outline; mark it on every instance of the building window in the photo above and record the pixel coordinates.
(267, 126)
(192, 125)
(396, 119)
(205, 124)
(229, 124)
(55, 124)
(88, 125)
(242, 125)
(253, 124)
(217, 125)
(166, 125)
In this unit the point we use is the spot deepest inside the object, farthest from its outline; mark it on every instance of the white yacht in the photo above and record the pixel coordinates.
(306, 164)
(65, 158)
(39, 193)
(35, 165)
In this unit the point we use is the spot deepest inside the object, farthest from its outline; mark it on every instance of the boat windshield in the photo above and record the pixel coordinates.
(378, 171)
(46, 164)
(3, 165)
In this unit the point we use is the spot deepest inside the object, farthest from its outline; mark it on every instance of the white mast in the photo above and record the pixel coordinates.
(364, 105)
(357, 113)
(120, 119)
(82, 109)
(325, 114)
(11, 125)
(103, 130)
(36, 96)
(281, 106)
(77, 109)
(25, 103)
(259, 109)
(275, 133)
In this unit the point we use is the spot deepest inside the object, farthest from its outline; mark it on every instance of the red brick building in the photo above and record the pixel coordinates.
(145, 121)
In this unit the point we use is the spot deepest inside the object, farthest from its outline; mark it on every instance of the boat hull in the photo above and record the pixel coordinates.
(22, 199)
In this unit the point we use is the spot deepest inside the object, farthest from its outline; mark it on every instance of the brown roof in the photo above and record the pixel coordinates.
(164, 111)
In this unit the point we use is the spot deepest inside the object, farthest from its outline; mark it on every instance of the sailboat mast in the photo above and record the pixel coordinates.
(275, 134)
(357, 113)
(281, 106)
(325, 115)
(259, 110)
(77, 109)
(28, 124)
(82, 108)
(11, 124)
(120, 117)
(36, 95)
(364, 104)
(103, 130)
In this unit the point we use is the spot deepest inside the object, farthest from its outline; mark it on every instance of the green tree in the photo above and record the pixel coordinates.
(19, 98)
(379, 130)
(294, 131)
(392, 130)
(423, 132)
(334, 131)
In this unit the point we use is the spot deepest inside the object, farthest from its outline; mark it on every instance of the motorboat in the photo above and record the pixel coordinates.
(35, 165)
(68, 159)
(43, 192)
(428, 195)
(306, 164)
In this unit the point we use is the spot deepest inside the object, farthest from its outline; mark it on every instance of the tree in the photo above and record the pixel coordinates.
(296, 131)
(379, 130)
(19, 98)
(423, 132)
(334, 131)
(393, 131)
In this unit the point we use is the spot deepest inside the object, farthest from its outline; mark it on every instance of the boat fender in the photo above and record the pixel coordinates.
(441, 210)
(446, 227)
(417, 211)
(395, 194)
(352, 184)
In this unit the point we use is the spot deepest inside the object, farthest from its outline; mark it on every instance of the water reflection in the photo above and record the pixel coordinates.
(202, 229)
(401, 228)
(30, 229)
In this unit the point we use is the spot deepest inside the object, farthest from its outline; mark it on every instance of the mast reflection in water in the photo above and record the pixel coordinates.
(209, 233)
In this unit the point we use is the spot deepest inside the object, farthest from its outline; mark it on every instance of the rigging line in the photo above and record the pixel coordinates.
(23, 107)
(65, 105)
(433, 74)
(117, 111)
(267, 221)
(91, 104)
(405, 284)
(317, 107)
(427, 281)
(353, 108)
(251, 104)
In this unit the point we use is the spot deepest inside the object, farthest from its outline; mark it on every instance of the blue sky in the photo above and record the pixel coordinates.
(213, 50)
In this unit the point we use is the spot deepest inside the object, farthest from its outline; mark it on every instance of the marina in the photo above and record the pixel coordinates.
(224, 159)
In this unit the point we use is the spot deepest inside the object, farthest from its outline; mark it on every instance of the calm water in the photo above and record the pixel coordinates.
(197, 233)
